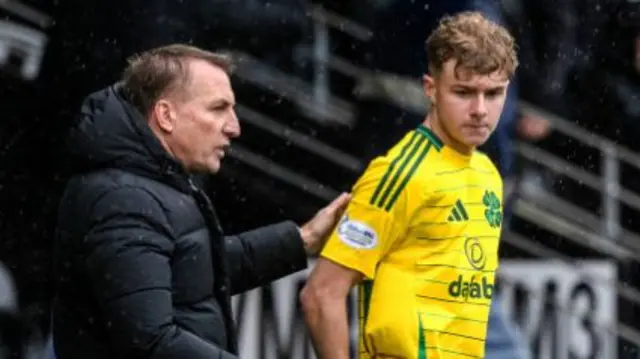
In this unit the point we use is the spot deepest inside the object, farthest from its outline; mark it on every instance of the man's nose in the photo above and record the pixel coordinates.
(232, 128)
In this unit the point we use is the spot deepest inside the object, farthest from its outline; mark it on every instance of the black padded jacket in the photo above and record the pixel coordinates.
(142, 267)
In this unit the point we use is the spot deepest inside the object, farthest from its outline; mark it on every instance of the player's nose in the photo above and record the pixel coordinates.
(479, 107)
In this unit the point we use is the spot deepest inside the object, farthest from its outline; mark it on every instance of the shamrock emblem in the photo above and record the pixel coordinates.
(492, 212)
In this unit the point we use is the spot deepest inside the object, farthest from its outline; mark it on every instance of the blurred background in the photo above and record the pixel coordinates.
(323, 87)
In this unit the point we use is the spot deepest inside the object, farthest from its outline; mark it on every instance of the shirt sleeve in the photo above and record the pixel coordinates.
(375, 220)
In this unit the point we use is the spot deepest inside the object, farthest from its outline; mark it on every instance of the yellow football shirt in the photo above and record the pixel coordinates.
(423, 227)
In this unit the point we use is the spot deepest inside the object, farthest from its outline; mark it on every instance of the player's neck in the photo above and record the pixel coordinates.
(431, 123)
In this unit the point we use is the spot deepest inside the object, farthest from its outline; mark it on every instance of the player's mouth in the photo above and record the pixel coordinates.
(477, 128)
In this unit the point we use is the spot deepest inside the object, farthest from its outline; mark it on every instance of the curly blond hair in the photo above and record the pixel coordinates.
(477, 44)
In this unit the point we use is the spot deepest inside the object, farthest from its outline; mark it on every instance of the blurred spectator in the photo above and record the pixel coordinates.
(546, 34)
(607, 93)
(602, 94)
(265, 29)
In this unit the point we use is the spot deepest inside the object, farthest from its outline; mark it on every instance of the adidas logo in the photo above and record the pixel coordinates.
(458, 213)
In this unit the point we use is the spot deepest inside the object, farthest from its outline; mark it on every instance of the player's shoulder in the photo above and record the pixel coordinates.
(417, 141)
(406, 157)
(400, 170)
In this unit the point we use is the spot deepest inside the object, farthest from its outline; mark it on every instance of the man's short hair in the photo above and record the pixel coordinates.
(161, 70)
(477, 44)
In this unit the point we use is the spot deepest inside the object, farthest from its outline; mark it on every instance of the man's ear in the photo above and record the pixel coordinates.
(429, 86)
(164, 116)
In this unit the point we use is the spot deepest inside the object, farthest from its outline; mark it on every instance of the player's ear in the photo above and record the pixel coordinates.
(429, 87)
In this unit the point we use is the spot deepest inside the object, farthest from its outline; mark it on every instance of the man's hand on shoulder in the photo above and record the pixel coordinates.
(315, 232)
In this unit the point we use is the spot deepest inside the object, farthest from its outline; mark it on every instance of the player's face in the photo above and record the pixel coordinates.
(467, 106)
(201, 119)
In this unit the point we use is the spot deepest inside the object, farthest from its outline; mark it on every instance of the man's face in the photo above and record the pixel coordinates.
(468, 106)
(201, 118)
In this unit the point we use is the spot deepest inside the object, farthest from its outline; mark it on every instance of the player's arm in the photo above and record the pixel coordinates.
(324, 303)
(352, 253)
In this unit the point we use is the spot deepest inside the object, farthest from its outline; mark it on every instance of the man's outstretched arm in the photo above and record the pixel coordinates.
(263, 255)
(324, 303)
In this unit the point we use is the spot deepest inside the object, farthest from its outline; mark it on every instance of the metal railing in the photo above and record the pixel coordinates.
(299, 139)
(26, 12)
(609, 184)
(323, 108)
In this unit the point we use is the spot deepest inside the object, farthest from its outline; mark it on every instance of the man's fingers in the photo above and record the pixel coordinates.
(340, 203)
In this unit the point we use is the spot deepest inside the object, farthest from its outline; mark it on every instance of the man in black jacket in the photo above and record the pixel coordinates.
(143, 267)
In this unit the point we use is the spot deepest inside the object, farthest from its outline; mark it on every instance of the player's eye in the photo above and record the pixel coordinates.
(463, 92)
(494, 93)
